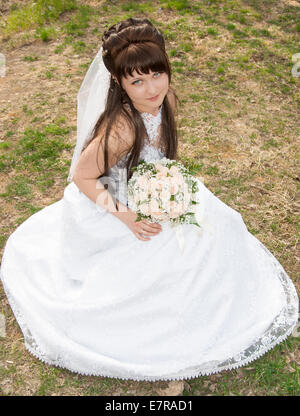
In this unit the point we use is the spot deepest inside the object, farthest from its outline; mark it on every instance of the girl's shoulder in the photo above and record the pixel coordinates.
(120, 138)
(120, 124)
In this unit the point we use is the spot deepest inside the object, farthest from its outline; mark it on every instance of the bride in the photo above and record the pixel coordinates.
(98, 293)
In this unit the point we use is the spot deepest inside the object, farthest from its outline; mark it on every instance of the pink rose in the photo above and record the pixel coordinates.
(154, 207)
(143, 182)
(174, 170)
(162, 169)
(174, 185)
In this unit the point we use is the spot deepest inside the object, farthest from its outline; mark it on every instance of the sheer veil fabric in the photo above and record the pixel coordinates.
(92, 298)
(91, 101)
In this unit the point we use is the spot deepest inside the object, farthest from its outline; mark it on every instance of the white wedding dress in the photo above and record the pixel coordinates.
(91, 297)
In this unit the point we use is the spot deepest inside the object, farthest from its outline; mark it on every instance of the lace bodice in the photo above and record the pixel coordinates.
(118, 182)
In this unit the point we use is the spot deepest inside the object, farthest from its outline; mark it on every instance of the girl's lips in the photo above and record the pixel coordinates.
(154, 98)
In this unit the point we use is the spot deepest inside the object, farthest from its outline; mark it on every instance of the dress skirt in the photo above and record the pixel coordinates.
(92, 298)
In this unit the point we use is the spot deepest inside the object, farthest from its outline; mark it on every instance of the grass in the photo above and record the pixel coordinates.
(238, 130)
(24, 17)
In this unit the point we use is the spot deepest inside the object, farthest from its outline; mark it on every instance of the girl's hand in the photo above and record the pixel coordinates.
(141, 229)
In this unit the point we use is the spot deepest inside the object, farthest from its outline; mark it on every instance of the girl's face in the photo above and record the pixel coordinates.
(140, 88)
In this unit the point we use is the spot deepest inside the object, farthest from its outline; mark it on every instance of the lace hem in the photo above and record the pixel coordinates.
(282, 326)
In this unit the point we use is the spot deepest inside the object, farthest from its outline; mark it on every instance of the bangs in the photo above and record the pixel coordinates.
(141, 57)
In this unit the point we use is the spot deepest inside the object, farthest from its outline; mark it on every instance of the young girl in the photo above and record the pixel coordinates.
(98, 293)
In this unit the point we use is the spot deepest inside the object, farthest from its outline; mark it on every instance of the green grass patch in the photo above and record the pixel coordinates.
(4, 145)
(179, 5)
(20, 186)
(36, 13)
(37, 150)
(29, 58)
(7, 162)
(79, 21)
(212, 170)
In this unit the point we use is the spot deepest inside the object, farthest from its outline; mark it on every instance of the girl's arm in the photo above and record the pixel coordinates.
(87, 173)
(87, 170)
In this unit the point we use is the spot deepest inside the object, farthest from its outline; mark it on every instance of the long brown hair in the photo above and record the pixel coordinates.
(134, 44)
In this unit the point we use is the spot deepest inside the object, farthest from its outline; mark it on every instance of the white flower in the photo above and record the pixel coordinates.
(154, 207)
(145, 209)
(174, 170)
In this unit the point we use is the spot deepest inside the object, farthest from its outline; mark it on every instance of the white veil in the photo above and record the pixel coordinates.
(91, 102)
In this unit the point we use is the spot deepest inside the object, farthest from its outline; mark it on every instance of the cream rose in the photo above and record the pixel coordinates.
(154, 207)
(176, 209)
(175, 184)
(143, 182)
(174, 170)
(162, 169)
(145, 209)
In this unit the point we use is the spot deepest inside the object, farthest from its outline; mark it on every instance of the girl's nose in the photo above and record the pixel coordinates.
(151, 90)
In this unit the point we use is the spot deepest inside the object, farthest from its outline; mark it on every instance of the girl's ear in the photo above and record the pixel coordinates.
(115, 80)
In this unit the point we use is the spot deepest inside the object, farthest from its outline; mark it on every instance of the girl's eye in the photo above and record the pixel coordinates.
(134, 83)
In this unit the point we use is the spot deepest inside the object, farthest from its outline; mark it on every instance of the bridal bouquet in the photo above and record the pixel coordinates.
(162, 191)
